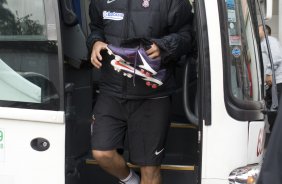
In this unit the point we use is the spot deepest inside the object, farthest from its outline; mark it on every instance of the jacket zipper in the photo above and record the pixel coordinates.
(124, 86)
(128, 18)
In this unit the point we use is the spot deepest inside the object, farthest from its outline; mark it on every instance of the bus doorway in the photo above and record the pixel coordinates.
(182, 148)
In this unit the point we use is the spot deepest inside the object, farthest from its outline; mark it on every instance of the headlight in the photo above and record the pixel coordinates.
(245, 175)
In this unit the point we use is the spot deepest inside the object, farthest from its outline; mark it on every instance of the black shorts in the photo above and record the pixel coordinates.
(145, 122)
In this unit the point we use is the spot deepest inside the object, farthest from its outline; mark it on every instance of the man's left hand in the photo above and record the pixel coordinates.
(154, 51)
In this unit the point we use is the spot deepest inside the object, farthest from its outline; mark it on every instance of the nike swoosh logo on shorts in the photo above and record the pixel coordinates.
(110, 1)
(158, 152)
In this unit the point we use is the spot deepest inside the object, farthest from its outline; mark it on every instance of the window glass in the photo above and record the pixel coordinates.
(29, 69)
(244, 64)
(20, 20)
(29, 75)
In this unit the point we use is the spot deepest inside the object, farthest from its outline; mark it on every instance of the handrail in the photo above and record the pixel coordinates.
(189, 114)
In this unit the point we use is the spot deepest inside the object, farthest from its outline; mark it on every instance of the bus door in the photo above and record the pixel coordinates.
(232, 142)
(81, 81)
(32, 118)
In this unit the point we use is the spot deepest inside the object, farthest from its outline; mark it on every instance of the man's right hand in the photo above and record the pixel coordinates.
(268, 80)
(96, 57)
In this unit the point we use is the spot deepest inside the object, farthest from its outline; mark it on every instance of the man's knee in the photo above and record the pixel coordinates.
(103, 155)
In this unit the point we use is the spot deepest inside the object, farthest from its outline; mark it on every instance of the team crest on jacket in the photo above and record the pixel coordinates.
(146, 3)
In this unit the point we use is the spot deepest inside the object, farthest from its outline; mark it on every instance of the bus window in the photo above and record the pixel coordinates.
(242, 67)
(28, 60)
(19, 20)
(244, 52)
(242, 61)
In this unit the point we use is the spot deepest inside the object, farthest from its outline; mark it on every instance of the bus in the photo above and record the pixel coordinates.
(48, 89)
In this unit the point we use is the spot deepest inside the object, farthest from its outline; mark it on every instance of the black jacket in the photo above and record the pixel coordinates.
(271, 171)
(168, 23)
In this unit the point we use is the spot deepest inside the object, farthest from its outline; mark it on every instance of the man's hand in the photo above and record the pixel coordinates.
(154, 51)
(95, 55)
(268, 80)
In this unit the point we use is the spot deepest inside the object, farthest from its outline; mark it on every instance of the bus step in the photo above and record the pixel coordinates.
(175, 124)
(180, 174)
(182, 146)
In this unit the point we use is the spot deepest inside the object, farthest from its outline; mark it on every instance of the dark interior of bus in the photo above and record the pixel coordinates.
(182, 149)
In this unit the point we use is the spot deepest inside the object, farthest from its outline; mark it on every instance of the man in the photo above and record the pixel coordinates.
(142, 40)
(276, 51)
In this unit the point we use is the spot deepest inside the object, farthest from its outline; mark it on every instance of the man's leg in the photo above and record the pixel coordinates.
(151, 175)
(279, 91)
(112, 162)
(147, 130)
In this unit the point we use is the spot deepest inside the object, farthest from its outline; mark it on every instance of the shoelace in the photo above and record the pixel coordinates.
(135, 65)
